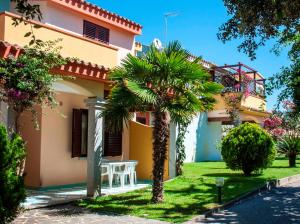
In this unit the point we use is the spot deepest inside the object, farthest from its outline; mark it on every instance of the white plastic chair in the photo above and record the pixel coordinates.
(122, 172)
(132, 175)
(105, 171)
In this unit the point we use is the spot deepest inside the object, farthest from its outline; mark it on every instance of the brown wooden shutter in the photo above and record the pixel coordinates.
(76, 133)
(89, 30)
(84, 131)
(95, 32)
(112, 143)
(103, 34)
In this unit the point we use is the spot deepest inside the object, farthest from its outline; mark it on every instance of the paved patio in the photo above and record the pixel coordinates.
(76, 215)
(55, 196)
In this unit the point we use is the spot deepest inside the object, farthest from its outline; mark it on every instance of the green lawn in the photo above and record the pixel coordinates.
(191, 194)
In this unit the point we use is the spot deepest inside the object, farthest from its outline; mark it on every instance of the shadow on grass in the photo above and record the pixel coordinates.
(182, 201)
(281, 167)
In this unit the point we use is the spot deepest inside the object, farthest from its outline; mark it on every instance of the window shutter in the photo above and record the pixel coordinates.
(76, 133)
(84, 132)
(113, 144)
(95, 32)
(89, 30)
(103, 34)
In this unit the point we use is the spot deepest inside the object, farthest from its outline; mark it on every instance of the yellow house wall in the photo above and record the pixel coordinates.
(49, 150)
(250, 102)
(255, 103)
(220, 104)
(73, 45)
(141, 150)
(32, 138)
(57, 166)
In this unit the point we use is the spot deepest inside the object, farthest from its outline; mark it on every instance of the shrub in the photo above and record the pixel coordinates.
(249, 148)
(12, 190)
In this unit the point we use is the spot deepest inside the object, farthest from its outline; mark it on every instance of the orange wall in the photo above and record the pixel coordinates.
(2, 26)
(33, 148)
(73, 45)
(57, 166)
(141, 150)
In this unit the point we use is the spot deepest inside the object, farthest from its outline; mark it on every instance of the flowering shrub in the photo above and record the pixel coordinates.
(234, 97)
(27, 81)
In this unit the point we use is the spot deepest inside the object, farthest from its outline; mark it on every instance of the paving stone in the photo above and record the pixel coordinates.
(76, 215)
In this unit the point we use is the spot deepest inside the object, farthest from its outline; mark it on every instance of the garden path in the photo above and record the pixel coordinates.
(280, 205)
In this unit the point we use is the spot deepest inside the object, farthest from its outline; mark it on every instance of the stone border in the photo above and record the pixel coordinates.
(266, 187)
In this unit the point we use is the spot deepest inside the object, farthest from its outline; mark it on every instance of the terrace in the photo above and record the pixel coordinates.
(232, 78)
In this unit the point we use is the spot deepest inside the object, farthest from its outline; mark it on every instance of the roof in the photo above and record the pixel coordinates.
(96, 12)
(76, 68)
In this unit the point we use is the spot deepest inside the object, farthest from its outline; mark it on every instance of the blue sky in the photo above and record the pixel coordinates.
(195, 27)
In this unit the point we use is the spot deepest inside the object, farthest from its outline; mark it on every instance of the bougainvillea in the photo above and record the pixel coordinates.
(233, 97)
(27, 80)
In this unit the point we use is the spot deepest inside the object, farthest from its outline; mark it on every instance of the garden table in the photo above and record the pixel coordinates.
(117, 165)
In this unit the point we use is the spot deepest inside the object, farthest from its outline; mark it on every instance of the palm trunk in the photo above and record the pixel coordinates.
(292, 159)
(160, 140)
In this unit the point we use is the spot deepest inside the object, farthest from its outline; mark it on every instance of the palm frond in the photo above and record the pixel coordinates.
(144, 93)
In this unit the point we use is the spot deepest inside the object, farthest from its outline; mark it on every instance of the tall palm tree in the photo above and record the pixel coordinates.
(166, 82)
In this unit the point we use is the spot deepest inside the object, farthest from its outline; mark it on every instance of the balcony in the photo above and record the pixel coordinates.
(239, 79)
(73, 45)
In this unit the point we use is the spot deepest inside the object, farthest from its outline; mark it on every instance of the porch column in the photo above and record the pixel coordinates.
(95, 145)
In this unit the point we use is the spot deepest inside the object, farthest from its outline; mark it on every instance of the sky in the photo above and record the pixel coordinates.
(196, 27)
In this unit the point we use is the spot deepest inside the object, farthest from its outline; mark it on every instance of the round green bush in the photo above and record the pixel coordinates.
(249, 148)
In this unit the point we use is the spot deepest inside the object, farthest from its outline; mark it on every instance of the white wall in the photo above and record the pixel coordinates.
(73, 22)
(202, 139)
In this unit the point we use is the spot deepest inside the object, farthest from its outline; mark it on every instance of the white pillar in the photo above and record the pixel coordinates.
(172, 150)
(95, 145)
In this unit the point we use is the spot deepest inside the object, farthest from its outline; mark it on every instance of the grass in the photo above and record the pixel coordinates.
(191, 194)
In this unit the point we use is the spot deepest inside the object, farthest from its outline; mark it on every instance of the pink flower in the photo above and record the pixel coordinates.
(277, 132)
(272, 122)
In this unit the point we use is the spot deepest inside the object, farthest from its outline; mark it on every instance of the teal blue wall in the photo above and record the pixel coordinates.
(4, 5)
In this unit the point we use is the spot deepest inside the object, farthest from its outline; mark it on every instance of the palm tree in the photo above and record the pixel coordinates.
(290, 146)
(166, 82)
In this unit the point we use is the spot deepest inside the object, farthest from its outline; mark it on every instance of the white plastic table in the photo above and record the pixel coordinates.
(113, 164)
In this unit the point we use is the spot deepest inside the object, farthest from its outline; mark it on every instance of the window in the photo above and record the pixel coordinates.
(79, 133)
(112, 141)
(143, 118)
(96, 32)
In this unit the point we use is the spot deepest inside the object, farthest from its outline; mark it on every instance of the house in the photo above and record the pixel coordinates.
(57, 154)
(206, 130)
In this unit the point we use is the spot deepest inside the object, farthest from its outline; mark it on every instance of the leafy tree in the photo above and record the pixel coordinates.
(289, 80)
(27, 80)
(249, 148)
(167, 83)
(259, 21)
(12, 190)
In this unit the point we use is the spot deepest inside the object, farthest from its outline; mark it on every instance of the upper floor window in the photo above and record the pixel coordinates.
(95, 32)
